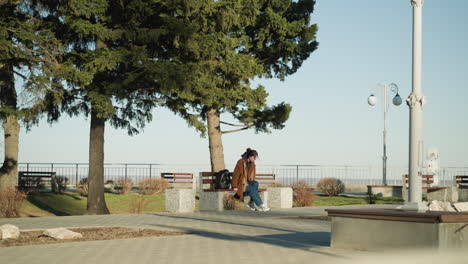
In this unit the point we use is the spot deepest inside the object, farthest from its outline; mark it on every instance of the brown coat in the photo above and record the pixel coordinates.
(241, 175)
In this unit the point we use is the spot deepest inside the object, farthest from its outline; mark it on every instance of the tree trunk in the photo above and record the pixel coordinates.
(9, 169)
(96, 201)
(215, 140)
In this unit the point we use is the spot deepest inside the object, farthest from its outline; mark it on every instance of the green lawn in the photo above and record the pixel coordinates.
(43, 204)
(49, 204)
(350, 200)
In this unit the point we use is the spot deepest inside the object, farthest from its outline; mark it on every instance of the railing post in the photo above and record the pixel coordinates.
(297, 173)
(150, 172)
(76, 174)
(27, 167)
(125, 171)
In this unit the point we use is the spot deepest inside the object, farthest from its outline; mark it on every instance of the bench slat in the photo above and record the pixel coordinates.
(227, 190)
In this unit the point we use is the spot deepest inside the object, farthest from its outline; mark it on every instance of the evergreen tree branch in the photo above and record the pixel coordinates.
(237, 130)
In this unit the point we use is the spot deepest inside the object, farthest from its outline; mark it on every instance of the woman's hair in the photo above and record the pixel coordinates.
(249, 153)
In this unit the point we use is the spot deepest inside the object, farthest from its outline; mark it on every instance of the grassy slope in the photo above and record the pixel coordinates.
(44, 204)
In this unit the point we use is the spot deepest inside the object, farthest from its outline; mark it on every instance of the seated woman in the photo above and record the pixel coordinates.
(244, 183)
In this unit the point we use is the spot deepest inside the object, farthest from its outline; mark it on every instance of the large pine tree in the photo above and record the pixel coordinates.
(230, 43)
(30, 64)
(124, 52)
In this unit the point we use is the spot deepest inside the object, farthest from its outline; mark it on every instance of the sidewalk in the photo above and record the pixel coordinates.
(214, 237)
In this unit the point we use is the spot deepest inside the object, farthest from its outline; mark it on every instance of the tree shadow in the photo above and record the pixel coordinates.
(43, 206)
(305, 241)
(228, 222)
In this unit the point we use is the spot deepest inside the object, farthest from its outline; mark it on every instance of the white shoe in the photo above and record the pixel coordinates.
(263, 208)
(251, 206)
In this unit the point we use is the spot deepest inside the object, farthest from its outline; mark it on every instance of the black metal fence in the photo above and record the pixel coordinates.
(286, 174)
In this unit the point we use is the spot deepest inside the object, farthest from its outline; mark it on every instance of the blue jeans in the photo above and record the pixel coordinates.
(252, 191)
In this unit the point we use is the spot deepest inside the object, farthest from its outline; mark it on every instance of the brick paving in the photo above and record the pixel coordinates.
(237, 237)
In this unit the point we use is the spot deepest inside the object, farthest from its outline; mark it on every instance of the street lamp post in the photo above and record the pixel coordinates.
(372, 100)
(415, 102)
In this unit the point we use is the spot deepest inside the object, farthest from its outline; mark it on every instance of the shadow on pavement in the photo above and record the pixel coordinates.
(295, 240)
(226, 222)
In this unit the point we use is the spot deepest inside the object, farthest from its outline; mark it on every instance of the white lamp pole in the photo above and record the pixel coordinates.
(372, 100)
(415, 102)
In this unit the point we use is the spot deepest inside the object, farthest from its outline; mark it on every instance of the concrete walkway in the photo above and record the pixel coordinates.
(214, 237)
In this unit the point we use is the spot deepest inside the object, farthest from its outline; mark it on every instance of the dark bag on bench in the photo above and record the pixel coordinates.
(222, 179)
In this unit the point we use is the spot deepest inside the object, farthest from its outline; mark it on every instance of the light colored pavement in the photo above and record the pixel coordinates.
(214, 237)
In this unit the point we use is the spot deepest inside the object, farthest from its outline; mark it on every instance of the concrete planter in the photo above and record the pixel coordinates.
(280, 197)
(180, 200)
(374, 229)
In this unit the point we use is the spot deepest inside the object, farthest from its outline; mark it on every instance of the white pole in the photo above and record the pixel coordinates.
(415, 102)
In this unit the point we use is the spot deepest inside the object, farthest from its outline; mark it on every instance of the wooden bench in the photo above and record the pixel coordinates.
(177, 177)
(461, 181)
(461, 184)
(430, 192)
(427, 181)
(180, 198)
(211, 199)
(208, 178)
(33, 179)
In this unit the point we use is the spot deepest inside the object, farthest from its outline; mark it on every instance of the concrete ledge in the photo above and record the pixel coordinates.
(385, 190)
(280, 197)
(180, 200)
(386, 229)
(211, 201)
(450, 194)
(463, 195)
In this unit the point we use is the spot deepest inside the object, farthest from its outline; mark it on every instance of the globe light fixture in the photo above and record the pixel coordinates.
(372, 100)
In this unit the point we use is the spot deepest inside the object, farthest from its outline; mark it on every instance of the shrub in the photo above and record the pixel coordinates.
(231, 203)
(276, 184)
(303, 194)
(83, 187)
(59, 184)
(153, 186)
(331, 186)
(11, 200)
(109, 186)
(125, 185)
(137, 203)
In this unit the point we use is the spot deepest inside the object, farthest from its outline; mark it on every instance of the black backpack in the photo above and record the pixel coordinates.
(222, 179)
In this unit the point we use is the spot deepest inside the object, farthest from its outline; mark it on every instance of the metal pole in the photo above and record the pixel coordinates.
(415, 102)
(297, 172)
(76, 174)
(385, 109)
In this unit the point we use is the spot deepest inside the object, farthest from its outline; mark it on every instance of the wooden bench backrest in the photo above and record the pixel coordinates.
(208, 178)
(427, 179)
(45, 174)
(461, 181)
(177, 177)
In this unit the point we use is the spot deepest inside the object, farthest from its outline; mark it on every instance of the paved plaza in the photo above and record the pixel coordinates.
(280, 236)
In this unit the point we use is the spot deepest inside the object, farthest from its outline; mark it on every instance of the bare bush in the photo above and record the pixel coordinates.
(303, 194)
(331, 186)
(83, 187)
(231, 203)
(11, 201)
(137, 203)
(153, 186)
(59, 184)
(125, 185)
(276, 184)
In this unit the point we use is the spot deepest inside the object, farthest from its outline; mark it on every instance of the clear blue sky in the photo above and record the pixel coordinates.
(362, 43)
